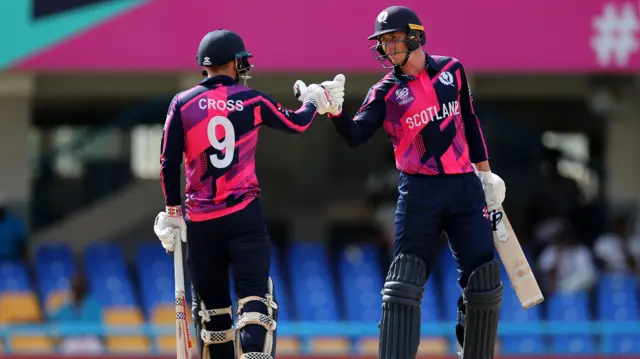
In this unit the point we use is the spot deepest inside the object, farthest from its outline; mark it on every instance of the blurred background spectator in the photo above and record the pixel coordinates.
(567, 264)
(78, 308)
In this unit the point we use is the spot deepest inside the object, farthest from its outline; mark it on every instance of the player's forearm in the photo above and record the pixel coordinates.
(276, 116)
(303, 117)
(348, 129)
(170, 176)
(478, 152)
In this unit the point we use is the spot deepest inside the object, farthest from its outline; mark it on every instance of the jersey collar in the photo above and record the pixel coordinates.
(430, 65)
(220, 79)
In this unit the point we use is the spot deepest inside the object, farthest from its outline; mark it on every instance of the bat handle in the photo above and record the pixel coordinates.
(182, 329)
(178, 267)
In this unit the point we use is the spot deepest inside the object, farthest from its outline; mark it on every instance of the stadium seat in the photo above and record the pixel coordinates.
(14, 277)
(18, 302)
(287, 345)
(166, 344)
(361, 283)
(617, 301)
(312, 282)
(313, 293)
(359, 268)
(447, 272)
(430, 313)
(130, 317)
(154, 269)
(109, 280)
(512, 311)
(32, 345)
(54, 266)
(107, 275)
(19, 305)
(330, 345)
(282, 294)
(570, 307)
(617, 298)
(19, 308)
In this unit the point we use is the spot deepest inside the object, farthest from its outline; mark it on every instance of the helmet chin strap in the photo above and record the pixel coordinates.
(406, 58)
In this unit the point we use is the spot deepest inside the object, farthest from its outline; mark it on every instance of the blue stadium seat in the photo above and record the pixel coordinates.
(618, 302)
(156, 277)
(282, 294)
(430, 308)
(312, 282)
(570, 307)
(447, 271)
(617, 298)
(361, 283)
(512, 311)
(107, 275)
(55, 266)
(14, 277)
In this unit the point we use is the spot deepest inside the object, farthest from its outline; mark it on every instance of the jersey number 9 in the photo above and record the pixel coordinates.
(227, 146)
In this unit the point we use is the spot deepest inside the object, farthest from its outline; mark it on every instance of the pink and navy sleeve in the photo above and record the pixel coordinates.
(273, 114)
(473, 130)
(367, 121)
(171, 154)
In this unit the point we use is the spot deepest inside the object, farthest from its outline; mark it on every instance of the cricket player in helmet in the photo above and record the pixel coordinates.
(215, 126)
(424, 104)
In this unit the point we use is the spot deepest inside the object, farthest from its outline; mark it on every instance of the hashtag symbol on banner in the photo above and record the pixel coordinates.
(616, 35)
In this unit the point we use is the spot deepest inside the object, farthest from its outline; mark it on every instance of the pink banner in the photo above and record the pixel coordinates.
(319, 357)
(502, 36)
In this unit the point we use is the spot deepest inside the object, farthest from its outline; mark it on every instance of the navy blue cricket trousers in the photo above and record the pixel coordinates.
(239, 241)
(453, 203)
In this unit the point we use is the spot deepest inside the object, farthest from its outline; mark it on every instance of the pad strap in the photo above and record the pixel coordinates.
(267, 321)
(264, 320)
(214, 336)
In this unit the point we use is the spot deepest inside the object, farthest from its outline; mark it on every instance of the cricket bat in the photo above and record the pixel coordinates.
(514, 261)
(183, 337)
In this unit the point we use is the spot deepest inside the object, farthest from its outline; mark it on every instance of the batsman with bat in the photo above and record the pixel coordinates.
(425, 106)
(215, 126)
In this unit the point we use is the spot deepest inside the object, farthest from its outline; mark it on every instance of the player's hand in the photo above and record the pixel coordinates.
(336, 93)
(495, 189)
(170, 229)
(314, 94)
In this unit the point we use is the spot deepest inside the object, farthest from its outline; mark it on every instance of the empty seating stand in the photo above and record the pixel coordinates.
(156, 284)
(617, 301)
(19, 305)
(311, 287)
(314, 295)
(570, 307)
(109, 279)
(361, 280)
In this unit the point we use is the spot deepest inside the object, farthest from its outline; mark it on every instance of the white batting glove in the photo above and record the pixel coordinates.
(170, 229)
(495, 190)
(334, 90)
(336, 93)
(314, 94)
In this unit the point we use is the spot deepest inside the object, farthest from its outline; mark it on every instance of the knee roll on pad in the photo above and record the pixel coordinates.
(401, 300)
(214, 329)
(481, 300)
(256, 325)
